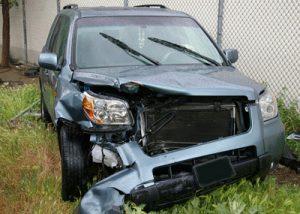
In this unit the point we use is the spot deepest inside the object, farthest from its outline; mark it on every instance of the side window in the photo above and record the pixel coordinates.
(59, 38)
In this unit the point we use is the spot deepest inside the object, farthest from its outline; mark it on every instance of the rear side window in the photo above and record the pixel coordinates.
(59, 38)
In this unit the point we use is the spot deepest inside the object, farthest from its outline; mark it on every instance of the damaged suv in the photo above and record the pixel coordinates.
(147, 105)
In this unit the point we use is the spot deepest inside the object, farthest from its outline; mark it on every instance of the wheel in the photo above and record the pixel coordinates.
(45, 116)
(74, 163)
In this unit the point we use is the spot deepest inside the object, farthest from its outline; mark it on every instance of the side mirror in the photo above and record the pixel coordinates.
(232, 55)
(48, 61)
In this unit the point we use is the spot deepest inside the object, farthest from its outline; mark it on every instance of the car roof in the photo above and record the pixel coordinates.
(122, 11)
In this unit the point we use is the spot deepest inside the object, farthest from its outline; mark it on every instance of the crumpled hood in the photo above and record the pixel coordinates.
(191, 80)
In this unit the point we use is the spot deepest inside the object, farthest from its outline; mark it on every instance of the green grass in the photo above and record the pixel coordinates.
(291, 119)
(243, 197)
(13, 100)
(30, 162)
(30, 170)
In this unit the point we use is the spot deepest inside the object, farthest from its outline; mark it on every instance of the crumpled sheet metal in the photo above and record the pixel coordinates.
(109, 200)
(180, 80)
(107, 196)
(68, 104)
(139, 167)
(294, 136)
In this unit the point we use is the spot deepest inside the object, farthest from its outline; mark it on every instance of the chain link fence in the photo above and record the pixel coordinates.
(266, 33)
(205, 11)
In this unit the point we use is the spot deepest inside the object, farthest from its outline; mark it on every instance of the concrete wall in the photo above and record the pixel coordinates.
(16, 32)
(39, 15)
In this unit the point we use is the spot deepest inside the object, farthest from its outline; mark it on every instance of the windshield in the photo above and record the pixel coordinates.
(129, 41)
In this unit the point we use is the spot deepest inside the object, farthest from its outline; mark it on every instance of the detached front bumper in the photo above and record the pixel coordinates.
(183, 187)
(137, 180)
(108, 195)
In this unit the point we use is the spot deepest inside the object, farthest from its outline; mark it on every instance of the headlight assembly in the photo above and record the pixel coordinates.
(106, 110)
(268, 105)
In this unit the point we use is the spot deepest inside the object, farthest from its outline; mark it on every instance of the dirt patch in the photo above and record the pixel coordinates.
(15, 75)
(285, 175)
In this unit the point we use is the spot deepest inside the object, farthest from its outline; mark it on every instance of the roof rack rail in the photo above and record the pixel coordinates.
(70, 6)
(152, 5)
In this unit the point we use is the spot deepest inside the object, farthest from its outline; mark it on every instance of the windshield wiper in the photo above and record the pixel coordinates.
(128, 49)
(185, 50)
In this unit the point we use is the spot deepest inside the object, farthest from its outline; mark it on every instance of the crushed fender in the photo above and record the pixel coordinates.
(102, 200)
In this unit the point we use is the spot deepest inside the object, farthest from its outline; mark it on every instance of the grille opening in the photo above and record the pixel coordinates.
(176, 126)
(185, 167)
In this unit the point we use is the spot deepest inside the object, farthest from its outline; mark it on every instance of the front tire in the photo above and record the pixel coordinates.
(74, 163)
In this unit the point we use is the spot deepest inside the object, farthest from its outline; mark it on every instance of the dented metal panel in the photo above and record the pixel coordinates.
(186, 80)
(140, 171)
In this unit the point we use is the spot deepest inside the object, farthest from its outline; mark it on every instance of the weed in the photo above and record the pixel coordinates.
(291, 120)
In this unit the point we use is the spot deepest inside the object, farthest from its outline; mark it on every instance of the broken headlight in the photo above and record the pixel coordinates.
(106, 110)
(268, 105)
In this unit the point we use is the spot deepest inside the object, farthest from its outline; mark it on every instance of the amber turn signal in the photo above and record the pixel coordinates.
(88, 106)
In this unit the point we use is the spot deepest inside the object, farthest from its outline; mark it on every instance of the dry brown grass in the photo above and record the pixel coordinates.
(30, 171)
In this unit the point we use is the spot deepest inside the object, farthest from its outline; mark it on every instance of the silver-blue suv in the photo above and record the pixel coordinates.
(147, 105)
